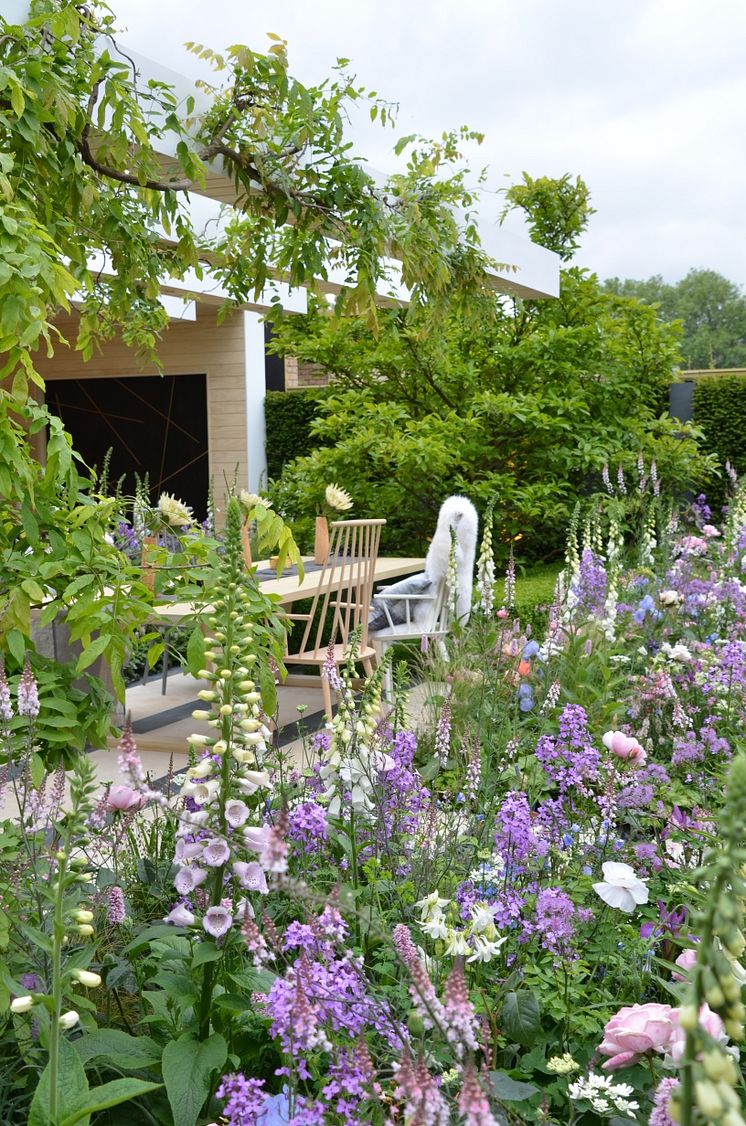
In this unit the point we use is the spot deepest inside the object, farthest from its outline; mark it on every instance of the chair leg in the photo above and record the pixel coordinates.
(327, 693)
(164, 680)
(368, 666)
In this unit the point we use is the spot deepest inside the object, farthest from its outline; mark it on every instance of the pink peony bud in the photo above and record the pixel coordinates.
(121, 798)
(624, 747)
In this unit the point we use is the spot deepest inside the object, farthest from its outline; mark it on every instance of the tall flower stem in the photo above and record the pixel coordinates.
(58, 937)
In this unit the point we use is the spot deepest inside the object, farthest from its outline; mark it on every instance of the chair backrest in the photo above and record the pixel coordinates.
(434, 616)
(345, 585)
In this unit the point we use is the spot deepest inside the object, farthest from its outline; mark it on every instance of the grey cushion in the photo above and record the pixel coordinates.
(415, 584)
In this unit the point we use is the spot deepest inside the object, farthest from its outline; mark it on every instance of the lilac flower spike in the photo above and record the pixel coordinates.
(28, 693)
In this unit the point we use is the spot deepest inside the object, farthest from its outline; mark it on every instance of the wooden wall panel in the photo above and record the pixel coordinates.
(187, 348)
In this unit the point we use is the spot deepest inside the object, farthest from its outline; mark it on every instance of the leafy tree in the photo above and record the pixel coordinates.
(91, 205)
(522, 400)
(557, 211)
(712, 311)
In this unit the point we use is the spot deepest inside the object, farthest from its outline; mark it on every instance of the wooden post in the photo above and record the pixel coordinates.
(148, 570)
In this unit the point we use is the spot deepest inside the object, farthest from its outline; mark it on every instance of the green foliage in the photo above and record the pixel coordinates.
(557, 210)
(720, 412)
(712, 311)
(84, 184)
(288, 416)
(521, 403)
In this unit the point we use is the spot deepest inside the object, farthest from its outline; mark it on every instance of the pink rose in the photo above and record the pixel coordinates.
(686, 960)
(624, 747)
(708, 1020)
(635, 1030)
(122, 798)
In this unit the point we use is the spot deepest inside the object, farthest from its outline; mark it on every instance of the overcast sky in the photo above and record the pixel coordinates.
(645, 99)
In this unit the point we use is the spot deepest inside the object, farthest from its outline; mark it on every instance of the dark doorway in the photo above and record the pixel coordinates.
(274, 366)
(152, 424)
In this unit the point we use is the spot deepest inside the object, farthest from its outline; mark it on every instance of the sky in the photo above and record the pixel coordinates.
(645, 99)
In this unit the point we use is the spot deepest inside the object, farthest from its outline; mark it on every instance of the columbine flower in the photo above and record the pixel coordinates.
(174, 511)
(217, 921)
(339, 500)
(216, 852)
(483, 916)
(485, 949)
(431, 905)
(457, 944)
(620, 887)
(435, 926)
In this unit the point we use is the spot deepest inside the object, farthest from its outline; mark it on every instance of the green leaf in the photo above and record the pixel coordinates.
(33, 590)
(511, 1090)
(72, 1088)
(268, 689)
(37, 770)
(520, 1016)
(16, 643)
(93, 651)
(187, 1068)
(126, 1052)
(196, 651)
(205, 952)
(150, 934)
(109, 1094)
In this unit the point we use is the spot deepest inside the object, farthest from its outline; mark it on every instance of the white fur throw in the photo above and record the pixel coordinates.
(461, 515)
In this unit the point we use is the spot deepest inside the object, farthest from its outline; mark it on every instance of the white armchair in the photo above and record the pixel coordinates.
(425, 612)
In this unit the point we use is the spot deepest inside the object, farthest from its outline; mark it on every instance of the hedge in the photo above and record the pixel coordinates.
(720, 409)
(287, 420)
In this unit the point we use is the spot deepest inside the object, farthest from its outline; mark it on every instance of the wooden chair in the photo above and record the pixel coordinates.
(345, 587)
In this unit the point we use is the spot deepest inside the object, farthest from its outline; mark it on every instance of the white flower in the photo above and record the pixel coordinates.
(174, 511)
(431, 905)
(678, 653)
(621, 887)
(484, 949)
(483, 916)
(69, 1019)
(21, 1004)
(337, 498)
(249, 500)
(457, 943)
(236, 813)
(669, 598)
(88, 979)
(435, 926)
(604, 1094)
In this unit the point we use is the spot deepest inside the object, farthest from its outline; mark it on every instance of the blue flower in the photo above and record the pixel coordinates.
(530, 649)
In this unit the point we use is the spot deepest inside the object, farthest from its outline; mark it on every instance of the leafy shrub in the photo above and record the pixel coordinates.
(720, 412)
(287, 417)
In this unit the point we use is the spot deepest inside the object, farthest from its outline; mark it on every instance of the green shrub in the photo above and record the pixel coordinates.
(720, 411)
(288, 416)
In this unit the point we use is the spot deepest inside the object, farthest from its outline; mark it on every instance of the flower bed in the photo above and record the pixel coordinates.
(530, 911)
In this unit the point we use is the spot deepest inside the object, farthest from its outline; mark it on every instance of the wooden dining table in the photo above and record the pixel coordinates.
(289, 588)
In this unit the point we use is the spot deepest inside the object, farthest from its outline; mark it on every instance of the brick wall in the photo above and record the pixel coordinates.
(299, 374)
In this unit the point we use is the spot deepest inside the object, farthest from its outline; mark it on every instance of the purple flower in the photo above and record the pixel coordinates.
(180, 916)
(216, 852)
(6, 708)
(217, 921)
(115, 911)
(250, 876)
(188, 878)
(245, 1099)
(308, 826)
(236, 813)
(590, 587)
(27, 692)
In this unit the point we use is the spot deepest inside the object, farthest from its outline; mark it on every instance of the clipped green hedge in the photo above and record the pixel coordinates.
(287, 420)
(720, 409)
